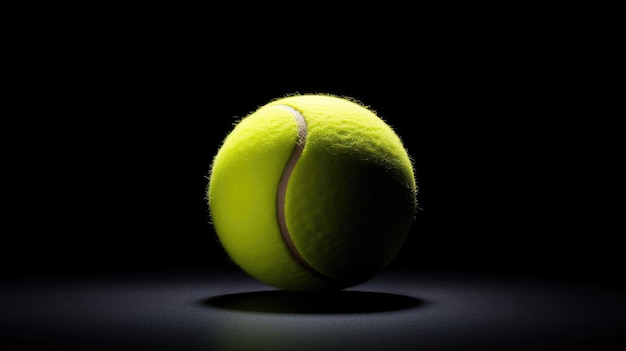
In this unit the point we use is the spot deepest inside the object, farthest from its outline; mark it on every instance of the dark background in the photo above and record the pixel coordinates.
(114, 121)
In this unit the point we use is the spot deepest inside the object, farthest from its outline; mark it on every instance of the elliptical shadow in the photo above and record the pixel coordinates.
(338, 302)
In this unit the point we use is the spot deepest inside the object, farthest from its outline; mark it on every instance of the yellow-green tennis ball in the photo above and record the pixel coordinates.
(312, 192)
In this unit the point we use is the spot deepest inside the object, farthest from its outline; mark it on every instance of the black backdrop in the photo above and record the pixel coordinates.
(116, 124)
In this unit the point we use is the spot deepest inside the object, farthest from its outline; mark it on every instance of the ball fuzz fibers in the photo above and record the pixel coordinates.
(311, 193)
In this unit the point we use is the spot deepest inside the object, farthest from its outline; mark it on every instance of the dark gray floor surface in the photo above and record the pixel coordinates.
(230, 311)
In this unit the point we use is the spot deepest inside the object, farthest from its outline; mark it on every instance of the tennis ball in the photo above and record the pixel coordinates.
(312, 192)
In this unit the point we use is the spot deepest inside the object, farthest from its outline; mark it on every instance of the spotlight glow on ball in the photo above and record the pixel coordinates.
(312, 192)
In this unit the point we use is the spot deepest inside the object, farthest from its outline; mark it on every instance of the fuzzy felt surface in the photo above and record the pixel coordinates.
(350, 195)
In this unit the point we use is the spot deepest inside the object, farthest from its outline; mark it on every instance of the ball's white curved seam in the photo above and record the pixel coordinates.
(282, 189)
